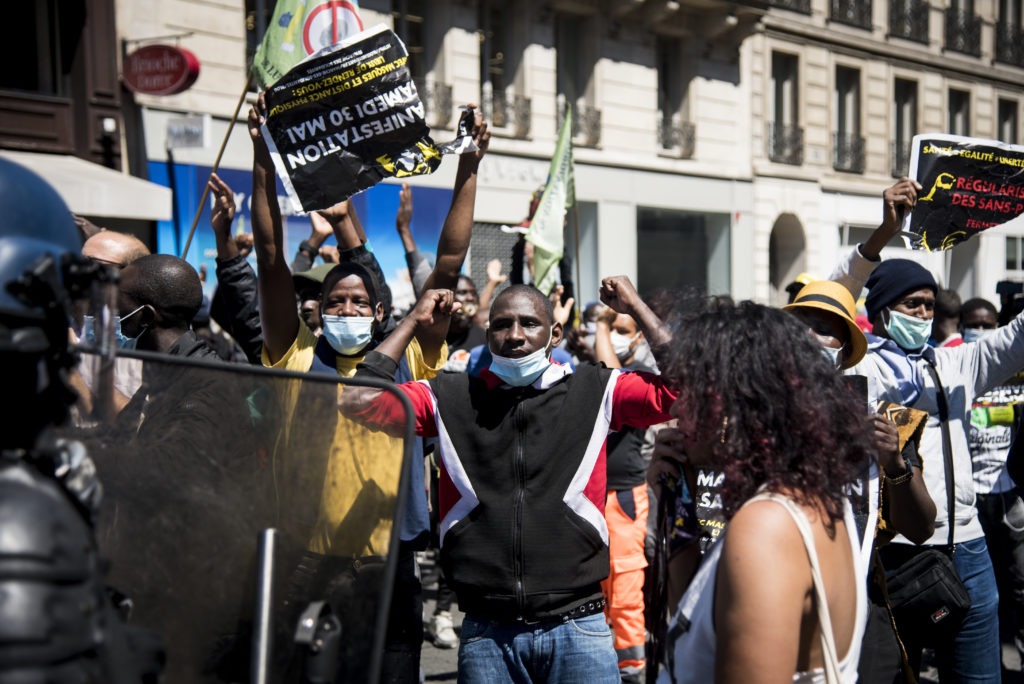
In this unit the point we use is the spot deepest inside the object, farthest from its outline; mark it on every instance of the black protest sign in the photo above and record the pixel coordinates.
(345, 119)
(967, 186)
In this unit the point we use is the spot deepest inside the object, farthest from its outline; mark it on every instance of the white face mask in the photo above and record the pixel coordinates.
(976, 334)
(623, 345)
(832, 355)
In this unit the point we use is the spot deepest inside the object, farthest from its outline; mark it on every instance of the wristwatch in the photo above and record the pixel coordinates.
(905, 476)
(309, 249)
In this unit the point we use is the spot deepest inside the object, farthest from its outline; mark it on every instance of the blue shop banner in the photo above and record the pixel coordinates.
(376, 208)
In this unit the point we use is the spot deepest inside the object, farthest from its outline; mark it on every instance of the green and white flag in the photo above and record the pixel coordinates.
(547, 229)
(300, 28)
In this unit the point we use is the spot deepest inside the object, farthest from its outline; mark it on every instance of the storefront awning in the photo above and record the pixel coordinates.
(93, 190)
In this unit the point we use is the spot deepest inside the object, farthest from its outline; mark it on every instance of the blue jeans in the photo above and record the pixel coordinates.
(976, 654)
(575, 652)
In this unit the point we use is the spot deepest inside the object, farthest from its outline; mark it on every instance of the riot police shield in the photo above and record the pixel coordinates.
(196, 459)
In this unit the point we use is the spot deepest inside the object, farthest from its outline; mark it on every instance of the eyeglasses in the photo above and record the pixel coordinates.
(912, 303)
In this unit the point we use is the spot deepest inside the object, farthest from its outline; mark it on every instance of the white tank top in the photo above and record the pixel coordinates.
(690, 646)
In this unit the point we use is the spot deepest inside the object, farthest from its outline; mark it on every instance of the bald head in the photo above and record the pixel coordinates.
(114, 249)
(167, 284)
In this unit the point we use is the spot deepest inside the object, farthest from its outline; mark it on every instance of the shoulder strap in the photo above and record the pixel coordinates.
(947, 449)
(829, 654)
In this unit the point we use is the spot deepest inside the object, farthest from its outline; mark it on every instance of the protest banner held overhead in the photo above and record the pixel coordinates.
(968, 185)
(349, 117)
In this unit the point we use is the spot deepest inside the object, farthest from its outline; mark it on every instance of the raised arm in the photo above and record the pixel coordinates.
(378, 409)
(618, 293)
(309, 248)
(494, 278)
(854, 270)
(278, 315)
(453, 244)
(419, 268)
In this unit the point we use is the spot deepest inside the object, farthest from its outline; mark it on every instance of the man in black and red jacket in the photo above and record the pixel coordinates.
(523, 537)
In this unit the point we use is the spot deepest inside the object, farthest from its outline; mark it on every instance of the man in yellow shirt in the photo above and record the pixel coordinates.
(354, 520)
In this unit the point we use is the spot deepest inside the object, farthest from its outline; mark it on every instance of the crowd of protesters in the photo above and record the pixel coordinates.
(676, 487)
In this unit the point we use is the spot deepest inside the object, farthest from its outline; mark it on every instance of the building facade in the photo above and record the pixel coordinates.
(728, 145)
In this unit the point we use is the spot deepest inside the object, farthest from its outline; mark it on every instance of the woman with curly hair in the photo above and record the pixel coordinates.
(778, 598)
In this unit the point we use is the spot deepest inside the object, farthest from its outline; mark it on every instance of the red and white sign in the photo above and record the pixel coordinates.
(328, 23)
(160, 70)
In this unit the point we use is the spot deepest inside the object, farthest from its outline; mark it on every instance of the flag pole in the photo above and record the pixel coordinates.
(576, 249)
(216, 165)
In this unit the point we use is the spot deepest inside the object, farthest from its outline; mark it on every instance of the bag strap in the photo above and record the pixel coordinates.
(947, 449)
(829, 654)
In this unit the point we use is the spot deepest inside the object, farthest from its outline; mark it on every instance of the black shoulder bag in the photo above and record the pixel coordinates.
(925, 593)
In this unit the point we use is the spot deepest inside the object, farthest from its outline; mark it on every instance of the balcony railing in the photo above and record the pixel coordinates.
(802, 6)
(586, 123)
(786, 144)
(909, 19)
(900, 159)
(848, 153)
(437, 101)
(852, 12)
(677, 136)
(963, 32)
(1010, 44)
(510, 113)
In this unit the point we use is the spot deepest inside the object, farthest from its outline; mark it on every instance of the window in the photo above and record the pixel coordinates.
(675, 131)
(1009, 36)
(1014, 252)
(575, 59)
(503, 106)
(678, 249)
(412, 24)
(40, 55)
(1008, 121)
(785, 137)
(849, 145)
(959, 112)
(963, 28)
(904, 125)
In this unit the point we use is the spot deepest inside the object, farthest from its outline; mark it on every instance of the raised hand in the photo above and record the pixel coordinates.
(494, 274)
(562, 311)
(896, 200)
(403, 219)
(618, 293)
(223, 206)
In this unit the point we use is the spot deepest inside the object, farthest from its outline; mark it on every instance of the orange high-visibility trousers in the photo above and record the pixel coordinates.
(625, 512)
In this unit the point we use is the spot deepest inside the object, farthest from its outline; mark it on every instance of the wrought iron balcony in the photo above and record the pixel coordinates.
(963, 32)
(586, 123)
(786, 144)
(677, 136)
(437, 101)
(510, 113)
(1009, 44)
(900, 159)
(801, 6)
(909, 19)
(848, 153)
(852, 12)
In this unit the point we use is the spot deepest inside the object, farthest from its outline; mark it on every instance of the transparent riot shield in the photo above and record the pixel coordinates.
(197, 459)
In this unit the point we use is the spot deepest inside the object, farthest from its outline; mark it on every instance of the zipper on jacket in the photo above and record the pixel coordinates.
(517, 510)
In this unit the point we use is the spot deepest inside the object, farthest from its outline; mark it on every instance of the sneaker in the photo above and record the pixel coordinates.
(442, 631)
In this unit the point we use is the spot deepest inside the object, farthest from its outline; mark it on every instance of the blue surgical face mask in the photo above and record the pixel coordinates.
(347, 335)
(909, 332)
(832, 355)
(123, 341)
(976, 334)
(522, 371)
